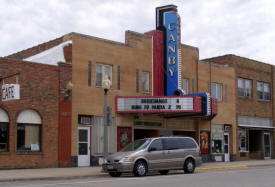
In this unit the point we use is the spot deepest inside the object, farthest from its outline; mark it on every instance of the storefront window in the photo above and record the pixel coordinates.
(29, 131)
(217, 139)
(4, 137)
(28, 137)
(243, 140)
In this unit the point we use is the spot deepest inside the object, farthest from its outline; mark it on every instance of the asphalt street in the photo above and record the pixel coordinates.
(249, 177)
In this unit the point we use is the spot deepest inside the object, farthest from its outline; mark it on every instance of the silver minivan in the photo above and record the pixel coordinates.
(155, 154)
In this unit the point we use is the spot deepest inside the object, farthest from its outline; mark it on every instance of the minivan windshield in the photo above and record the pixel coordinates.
(137, 145)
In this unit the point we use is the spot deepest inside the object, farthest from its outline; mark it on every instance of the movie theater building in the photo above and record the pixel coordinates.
(158, 88)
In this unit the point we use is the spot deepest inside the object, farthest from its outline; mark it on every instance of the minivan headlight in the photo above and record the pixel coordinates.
(126, 159)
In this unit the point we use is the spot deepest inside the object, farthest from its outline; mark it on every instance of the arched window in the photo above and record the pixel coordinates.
(4, 130)
(29, 131)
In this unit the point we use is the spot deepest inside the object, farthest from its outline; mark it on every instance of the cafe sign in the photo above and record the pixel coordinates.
(163, 104)
(10, 92)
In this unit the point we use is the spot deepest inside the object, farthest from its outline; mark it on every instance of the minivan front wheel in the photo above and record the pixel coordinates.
(140, 169)
(189, 166)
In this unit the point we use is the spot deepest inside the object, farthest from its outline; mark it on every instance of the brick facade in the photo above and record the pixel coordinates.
(256, 72)
(39, 91)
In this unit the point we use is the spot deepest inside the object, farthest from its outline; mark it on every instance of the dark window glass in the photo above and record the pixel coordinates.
(137, 80)
(157, 144)
(83, 135)
(83, 148)
(118, 77)
(188, 143)
(178, 143)
(4, 136)
(171, 143)
(28, 137)
(89, 73)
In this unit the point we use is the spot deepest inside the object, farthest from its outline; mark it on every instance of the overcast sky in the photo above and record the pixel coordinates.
(217, 27)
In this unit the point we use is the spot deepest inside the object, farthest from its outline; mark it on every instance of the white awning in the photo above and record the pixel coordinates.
(4, 116)
(255, 122)
(29, 116)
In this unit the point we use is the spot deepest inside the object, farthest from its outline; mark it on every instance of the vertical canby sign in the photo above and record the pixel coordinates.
(167, 20)
(170, 23)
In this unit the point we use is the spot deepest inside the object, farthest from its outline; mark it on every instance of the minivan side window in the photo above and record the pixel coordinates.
(188, 143)
(178, 143)
(171, 143)
(157, 144)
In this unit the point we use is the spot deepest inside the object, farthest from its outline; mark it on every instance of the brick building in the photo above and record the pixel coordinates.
(29, 124)
(254, 105)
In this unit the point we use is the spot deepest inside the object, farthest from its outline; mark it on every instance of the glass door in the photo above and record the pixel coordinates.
(226, 147)
(267, 147)
(83, 146)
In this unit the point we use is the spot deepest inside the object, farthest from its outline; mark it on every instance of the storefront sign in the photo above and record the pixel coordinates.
(10, 92)
(154, 104)
(150, 124)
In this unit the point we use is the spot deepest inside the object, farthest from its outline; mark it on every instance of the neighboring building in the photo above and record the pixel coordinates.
(28, 115)
(254, 106)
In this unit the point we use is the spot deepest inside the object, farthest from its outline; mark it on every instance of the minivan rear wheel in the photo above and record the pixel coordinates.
(163, 172)
(140, 168)
(189, 166)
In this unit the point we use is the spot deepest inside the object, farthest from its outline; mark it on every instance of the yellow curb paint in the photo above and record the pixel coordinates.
(222, 168)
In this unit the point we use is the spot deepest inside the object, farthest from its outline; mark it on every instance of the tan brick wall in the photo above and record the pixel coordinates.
(135, 54)
(39, 90)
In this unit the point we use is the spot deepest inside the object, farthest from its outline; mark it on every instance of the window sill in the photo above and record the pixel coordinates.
(243, 151)
(146, 93)
(265, 101)
(28, 153)
(4, 152)
(247, 98)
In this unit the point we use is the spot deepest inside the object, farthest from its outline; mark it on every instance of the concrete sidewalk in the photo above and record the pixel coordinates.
(69, 173)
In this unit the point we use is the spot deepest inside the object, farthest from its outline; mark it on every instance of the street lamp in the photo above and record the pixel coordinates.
(106, 85)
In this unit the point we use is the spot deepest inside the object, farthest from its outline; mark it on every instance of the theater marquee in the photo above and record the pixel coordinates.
(158, 104)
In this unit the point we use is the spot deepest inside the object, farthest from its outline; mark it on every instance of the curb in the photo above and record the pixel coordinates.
(51, 178)
(222, 168)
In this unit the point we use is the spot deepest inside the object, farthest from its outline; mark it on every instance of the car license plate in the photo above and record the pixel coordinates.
(110, 167)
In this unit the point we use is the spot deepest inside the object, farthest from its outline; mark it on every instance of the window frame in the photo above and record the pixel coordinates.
(103, 74)
(39, 137)
(262, 91)
(244, 89)
(148, 84)
(216, 93)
